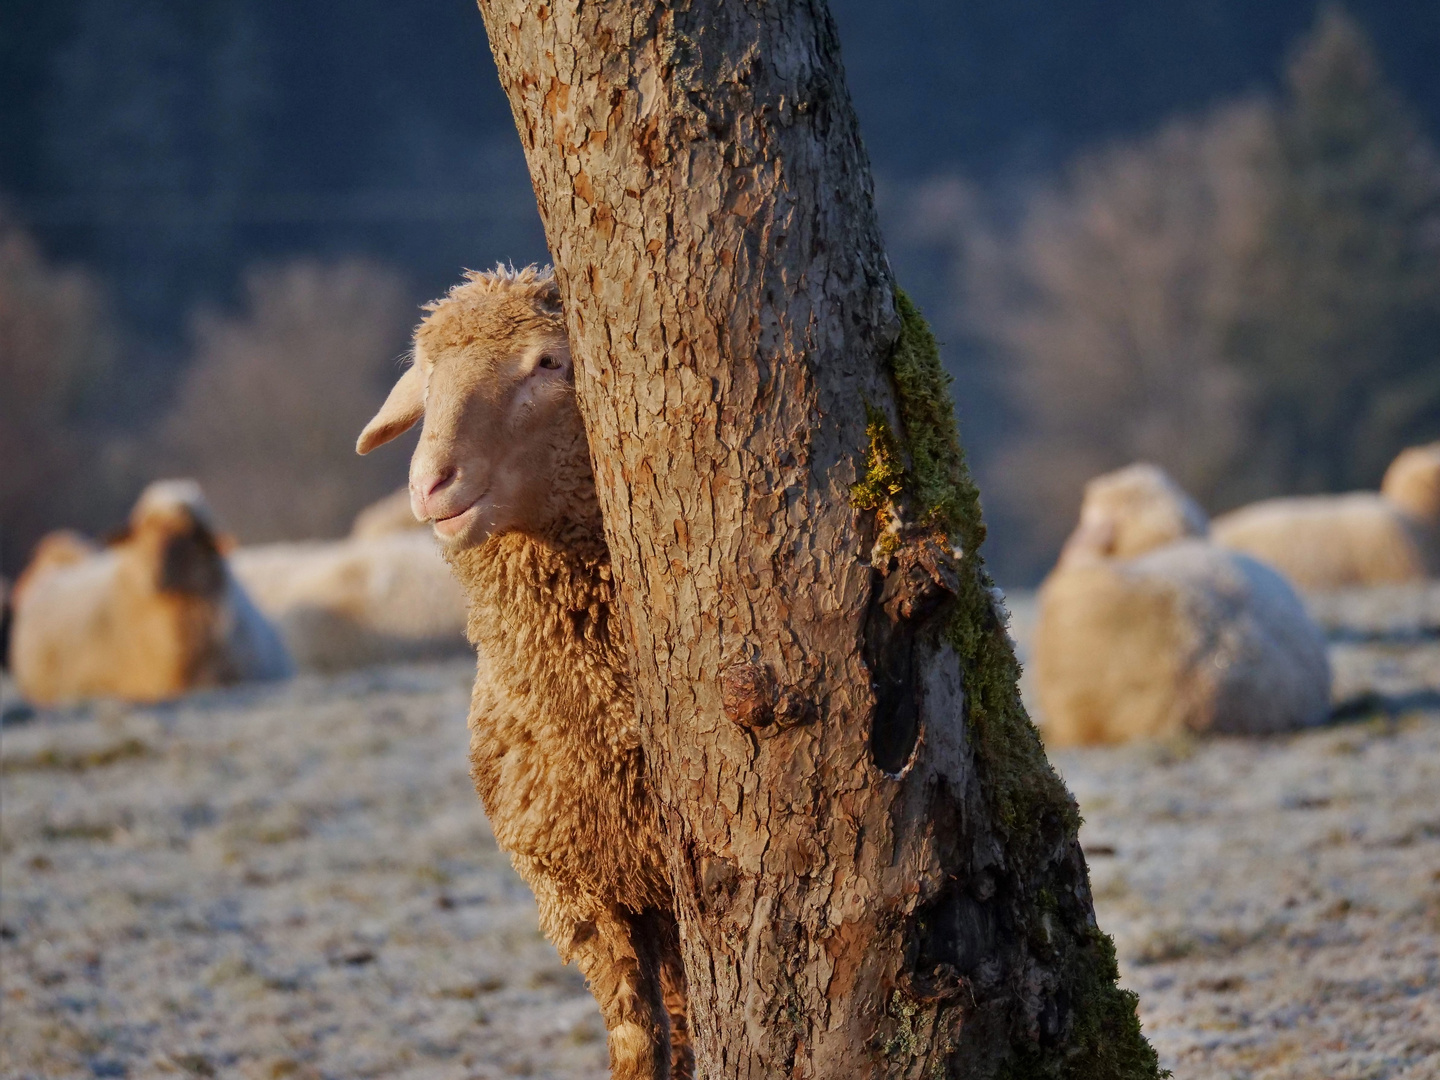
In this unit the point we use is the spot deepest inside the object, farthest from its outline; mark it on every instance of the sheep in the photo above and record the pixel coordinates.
(4, 622)
(1168, 635)
(391, 514)
(381, 598)
(150, 616)
(1325, 542)
(502, 471)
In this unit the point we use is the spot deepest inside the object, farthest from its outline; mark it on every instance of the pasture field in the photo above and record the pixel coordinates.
(296, 880)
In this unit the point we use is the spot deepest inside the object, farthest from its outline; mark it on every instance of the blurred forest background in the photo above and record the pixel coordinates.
(1204, 233)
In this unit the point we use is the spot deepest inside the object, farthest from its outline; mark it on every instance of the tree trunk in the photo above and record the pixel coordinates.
(877, 871)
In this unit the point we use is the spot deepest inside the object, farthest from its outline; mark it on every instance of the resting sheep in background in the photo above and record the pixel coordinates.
(381, 595)
(387, 516)
(1170, 633)
(1362, 538)
(4, 622)
(152, 615)
(503, 472)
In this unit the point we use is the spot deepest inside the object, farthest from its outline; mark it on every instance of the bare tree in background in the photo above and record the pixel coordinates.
(1339, 321)
(57, 346)
(1251, 300)
(1110, 309)
(267, 414)
(877, 873)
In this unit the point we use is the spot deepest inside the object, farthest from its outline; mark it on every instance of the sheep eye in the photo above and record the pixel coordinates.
(549, 363)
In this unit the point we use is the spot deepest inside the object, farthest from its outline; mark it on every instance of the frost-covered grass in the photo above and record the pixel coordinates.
(297, 881)
(288, 881)
(1276, 904)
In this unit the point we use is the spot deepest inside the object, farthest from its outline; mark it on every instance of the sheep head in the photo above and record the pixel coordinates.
(172, 533)
(1413, 483)
(502, 447)
(1131, 511)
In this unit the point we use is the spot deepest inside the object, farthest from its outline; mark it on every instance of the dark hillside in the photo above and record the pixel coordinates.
(167, 144)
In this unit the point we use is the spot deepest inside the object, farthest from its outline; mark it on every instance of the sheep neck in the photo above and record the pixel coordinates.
(563, 566)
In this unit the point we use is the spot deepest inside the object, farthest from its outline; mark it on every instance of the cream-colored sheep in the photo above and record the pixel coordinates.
(384, 598)
(391, 514)
(1175, 635)
(503, 472)
(152, 615)
(4, 621)
(1326, 542)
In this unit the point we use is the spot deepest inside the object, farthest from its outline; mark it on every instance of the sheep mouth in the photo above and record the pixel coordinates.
(452, 524)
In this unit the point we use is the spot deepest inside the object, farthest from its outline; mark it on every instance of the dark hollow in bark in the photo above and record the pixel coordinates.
(900, 622)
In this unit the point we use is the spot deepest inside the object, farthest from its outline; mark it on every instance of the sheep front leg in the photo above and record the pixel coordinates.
(618, 959)
(657, 938)
(672, 984)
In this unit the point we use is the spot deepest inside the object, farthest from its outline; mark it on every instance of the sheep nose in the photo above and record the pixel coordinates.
(427, 486)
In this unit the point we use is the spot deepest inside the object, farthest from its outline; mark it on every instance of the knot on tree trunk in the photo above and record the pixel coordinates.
(718, 879)
(752, 698)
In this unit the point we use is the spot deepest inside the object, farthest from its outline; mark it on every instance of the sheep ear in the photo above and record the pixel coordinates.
(549, 295)
(404, 406)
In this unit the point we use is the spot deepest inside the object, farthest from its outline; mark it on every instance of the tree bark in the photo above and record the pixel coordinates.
(877, 871)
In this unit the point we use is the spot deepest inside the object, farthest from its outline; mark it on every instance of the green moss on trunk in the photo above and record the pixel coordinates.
(1034, 813)
(884, 472)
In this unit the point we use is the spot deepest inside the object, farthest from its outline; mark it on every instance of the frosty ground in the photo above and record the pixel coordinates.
(296, 881)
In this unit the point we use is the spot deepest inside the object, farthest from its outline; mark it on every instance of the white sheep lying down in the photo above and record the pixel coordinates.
(1326, 542)
(391, 514)
(1174, 634)
(362, 600)
(152, 615)
(1187, 637)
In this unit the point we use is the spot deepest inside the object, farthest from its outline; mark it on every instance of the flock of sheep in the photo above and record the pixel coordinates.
(171, 605)
(1152, 622)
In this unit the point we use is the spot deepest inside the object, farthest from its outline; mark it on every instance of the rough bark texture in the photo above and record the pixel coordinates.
(877, 871)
